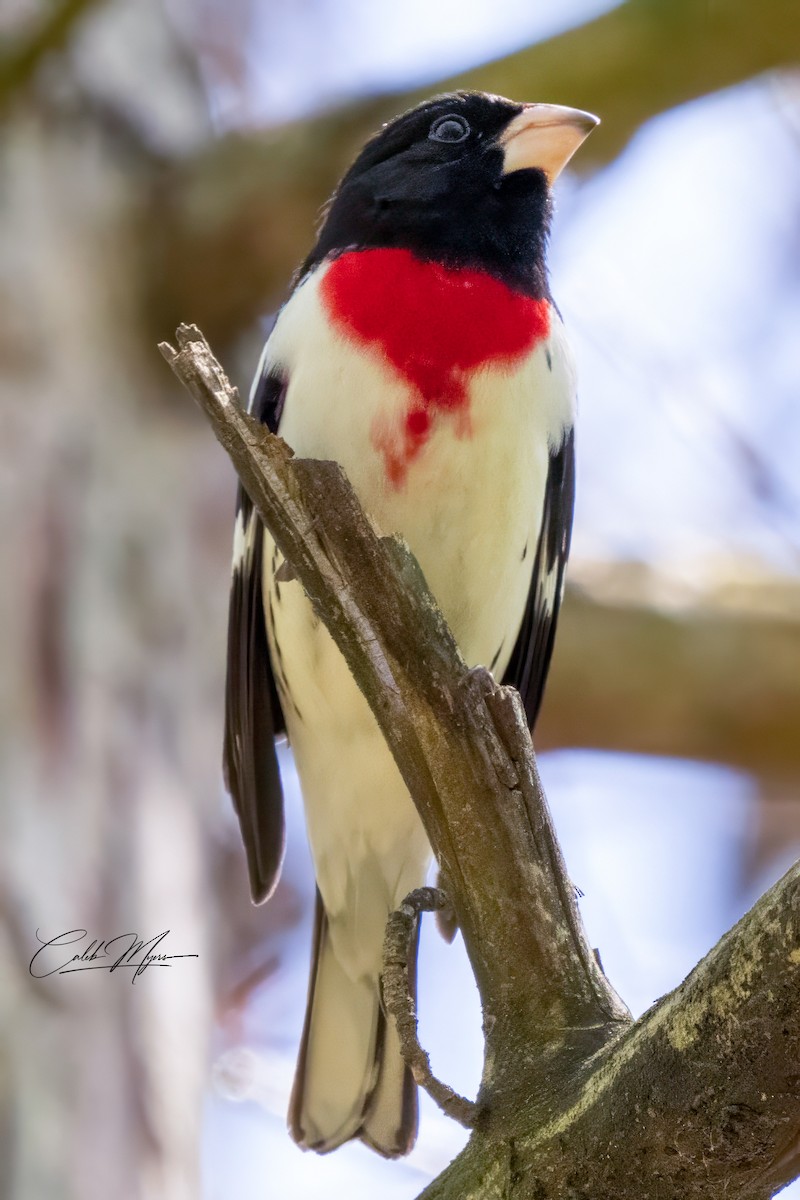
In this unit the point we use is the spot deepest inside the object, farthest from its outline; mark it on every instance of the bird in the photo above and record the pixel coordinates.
(419, 347)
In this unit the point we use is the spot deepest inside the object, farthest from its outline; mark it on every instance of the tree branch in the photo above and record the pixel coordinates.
(251, 199)
(701, 1097)
(460, 741)
(399, 951)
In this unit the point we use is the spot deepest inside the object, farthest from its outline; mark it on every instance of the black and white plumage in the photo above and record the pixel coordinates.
(420, 348)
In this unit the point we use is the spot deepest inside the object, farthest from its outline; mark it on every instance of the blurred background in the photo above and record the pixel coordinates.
(165, 161)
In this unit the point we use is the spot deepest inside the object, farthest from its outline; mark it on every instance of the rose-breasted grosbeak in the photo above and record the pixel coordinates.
(421, 349)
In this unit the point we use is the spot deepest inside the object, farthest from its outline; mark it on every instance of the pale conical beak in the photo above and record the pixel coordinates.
(545, 136)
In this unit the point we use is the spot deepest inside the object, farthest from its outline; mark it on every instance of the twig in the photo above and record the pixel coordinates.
(399, 948)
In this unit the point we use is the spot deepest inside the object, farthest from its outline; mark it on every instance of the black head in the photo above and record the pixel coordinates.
(463, 179)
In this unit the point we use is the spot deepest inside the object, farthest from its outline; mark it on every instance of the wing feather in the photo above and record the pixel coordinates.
(530, 658)
(253, 714)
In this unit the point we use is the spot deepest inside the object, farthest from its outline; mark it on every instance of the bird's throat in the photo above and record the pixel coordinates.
(433, 326)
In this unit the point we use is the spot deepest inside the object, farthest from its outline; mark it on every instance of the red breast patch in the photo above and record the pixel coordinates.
(434, 326)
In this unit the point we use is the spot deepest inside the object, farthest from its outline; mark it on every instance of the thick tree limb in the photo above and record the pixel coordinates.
(251, 200)
(399, 953)
(701, 1097)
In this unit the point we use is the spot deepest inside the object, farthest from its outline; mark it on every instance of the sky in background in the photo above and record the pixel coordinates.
(677, 273)
(306, 54)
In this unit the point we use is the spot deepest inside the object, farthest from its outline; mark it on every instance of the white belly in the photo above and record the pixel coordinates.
(469, 508)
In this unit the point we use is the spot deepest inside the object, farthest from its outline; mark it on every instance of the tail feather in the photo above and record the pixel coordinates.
(390, 1118)
(351, 1080)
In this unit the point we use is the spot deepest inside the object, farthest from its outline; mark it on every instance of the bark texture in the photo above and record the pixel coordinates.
(700, 1099)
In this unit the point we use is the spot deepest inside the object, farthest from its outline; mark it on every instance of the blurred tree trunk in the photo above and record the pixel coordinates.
(111, 661)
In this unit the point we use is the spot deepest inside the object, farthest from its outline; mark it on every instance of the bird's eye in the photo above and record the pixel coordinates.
(452, 128)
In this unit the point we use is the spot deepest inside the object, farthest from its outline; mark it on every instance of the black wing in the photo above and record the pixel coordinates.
(253, 713)
(530, 659)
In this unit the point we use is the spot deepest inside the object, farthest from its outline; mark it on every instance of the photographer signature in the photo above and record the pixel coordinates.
(124, 950)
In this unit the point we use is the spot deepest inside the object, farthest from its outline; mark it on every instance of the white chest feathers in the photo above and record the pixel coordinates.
(463, 483)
